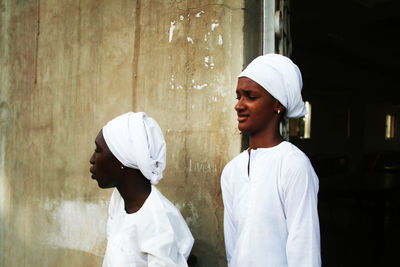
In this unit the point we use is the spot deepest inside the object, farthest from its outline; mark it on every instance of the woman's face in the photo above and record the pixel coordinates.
(256, 108)
(105, 166)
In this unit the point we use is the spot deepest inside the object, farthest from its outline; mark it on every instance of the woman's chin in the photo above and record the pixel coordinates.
(101, 185)
(243, 128)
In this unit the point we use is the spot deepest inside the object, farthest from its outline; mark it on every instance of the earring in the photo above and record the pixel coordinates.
(278, 111)
(122, 167)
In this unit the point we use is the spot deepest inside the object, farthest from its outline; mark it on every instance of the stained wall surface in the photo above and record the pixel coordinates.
(66, 68)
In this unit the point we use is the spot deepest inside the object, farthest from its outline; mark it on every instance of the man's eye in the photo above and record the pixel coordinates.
(252, 97)
(238, 98)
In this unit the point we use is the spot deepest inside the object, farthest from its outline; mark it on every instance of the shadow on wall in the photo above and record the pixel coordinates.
(203, 248)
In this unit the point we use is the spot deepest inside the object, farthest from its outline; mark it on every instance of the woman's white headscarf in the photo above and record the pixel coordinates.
(137, 142)
(281, 78)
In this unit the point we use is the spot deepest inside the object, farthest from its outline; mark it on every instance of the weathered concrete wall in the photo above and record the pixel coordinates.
(66, 68)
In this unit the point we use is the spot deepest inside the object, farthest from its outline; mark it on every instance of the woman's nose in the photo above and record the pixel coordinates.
(92, 159)
(239, 105)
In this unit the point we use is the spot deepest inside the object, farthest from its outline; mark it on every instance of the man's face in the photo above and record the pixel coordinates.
(255, 107)
(105, 167)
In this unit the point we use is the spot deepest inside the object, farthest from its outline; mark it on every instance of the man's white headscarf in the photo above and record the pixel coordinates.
(281, 78)
(137, 142)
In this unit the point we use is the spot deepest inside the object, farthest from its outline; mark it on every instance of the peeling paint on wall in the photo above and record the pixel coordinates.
(72, 220)
(214, 25)
(96, 60)
(192, 219)
(171, 31)
(199, 87)
(199, 14)
(220, 42)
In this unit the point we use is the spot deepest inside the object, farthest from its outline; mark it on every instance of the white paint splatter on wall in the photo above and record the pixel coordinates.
(206, 61)
(190, 40)
(171, 83)
(220, 42)
(194, 216)
(214, 25)
(209, 62)
(199, 14)
(199, 87)
(171, 30)
(212, 99)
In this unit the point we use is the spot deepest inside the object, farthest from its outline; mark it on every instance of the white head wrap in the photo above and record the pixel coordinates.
(137, 142)
(281, 78)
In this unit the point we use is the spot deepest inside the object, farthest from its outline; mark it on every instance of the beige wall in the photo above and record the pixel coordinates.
(66, 68)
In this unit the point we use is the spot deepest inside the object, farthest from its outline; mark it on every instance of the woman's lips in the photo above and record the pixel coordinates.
(91, 171)
(242, 118)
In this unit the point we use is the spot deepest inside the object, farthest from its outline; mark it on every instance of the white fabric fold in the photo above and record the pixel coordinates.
(155, 235)
(137, 142)
(281, 78)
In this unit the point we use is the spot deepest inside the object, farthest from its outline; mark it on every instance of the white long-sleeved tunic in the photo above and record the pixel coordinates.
(270, 209)
(155, 235)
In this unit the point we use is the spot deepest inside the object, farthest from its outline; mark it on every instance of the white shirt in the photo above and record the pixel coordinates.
(270, 214)
(155, 235)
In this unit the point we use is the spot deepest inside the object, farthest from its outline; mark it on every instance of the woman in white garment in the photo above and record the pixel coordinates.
(143, 228)
(270, 190)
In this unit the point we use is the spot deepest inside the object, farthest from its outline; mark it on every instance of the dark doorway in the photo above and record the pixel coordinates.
(349, 55)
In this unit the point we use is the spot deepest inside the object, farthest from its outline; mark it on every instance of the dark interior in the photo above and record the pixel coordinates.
(348, 52)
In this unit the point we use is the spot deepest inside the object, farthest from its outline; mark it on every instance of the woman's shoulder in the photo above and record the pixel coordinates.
(293, 158)
(162, 208)
(164, 218)
(296, 161)
(164, 203)
(292, 152)
(237, 160)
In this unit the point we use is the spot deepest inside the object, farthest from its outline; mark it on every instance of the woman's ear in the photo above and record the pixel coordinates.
(278, 107)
